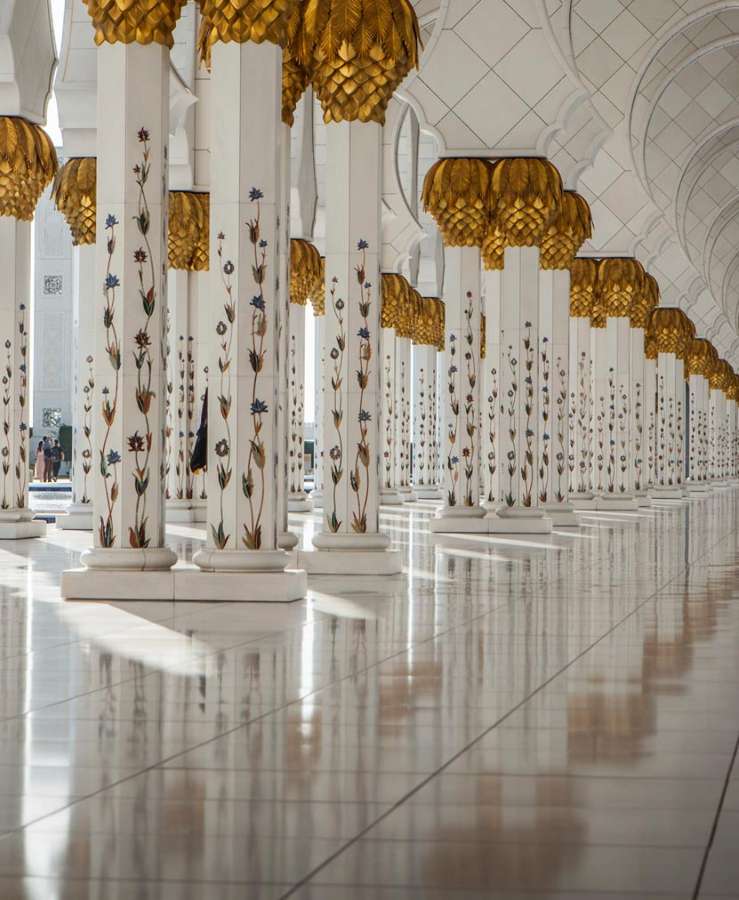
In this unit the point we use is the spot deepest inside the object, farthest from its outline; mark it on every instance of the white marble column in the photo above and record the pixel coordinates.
(16, 452)
(717, 420)
(698, 391)
(492, 464)
(389, 494)
(403, 373)
(730, 434)
(581, 457)
(670, 424)
(201, 316)
(461, 439)
(599, 350)
(521, 430)
(79, 516)
(350, 541)
(554, 364)
(180, 405)
(650, 418)
(247, 258)
(130, 373)
(615, 385)
(297, 499)
(316, 496)
(425, 460)
(638, 416)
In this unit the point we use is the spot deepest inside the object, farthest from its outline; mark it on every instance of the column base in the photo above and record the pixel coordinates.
(492, 523)
(139, 575)
(179, 511)
(186, 583)
(519, 520)
(78, 518)
(390, 497)
(674, 492)
(562, 515)
(721, 485)
(299, 503)
(351, 554)
(584, 501)
(286, 540)
(644, 501)
(427, 492)
(407, 495)
(200, 510)
(698, 487)
(617, 503)
(18, 525)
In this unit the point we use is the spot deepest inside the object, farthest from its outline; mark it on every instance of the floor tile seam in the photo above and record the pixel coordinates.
(301, 699)
(307, 878)
(716, 820)
(115, 684)
(162, 763)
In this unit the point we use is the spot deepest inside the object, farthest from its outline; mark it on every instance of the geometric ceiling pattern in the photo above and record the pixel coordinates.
(635, 101)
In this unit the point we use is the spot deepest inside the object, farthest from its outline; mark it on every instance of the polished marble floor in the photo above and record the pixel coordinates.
(511, 718)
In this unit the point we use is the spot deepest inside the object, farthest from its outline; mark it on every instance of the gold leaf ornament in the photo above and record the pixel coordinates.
(28, 163)
(305, 270)
(189, 231)
(318, 290)
(620, 285)
(583, 287)
(74, 193)
(426, 329)
(570, 227)
(456, 192)
(701, 358)
(396, 303)
(526, 196)
(641, 309)
(671, 329)
(134, 21)
(245, 20)
(358, 52)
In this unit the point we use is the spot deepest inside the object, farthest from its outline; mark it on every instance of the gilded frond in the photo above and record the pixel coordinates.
(245, 20)
(75, 193)
(621, 285)
(28, 163)
(358, 52)
(134, 21)
(305, 270)
(583, 287)
(671, 329)
(569, 228)
(526, 195)
(395, 302)
(189, 231)
(456, 192)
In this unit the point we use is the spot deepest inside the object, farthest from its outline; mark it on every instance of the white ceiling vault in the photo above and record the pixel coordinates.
(636, 102)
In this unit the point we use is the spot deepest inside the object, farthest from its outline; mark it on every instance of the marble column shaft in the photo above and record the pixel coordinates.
(131, 270)
(297, 498)
(670, 426)
(461, 377)
(403, 372)
(581, 452)
(79, 516)
(425, 422)
(492, 464)
(637, 404)
(698, 449)
(244, 360)
(389, 417)
(16, 453)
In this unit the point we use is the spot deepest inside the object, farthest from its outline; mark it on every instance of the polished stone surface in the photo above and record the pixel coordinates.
(513, 717)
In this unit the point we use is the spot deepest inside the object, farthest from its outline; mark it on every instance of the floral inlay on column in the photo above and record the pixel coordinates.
(141, 444)
(492, 432)
(336, 453)
(546, 400)
(527, 469)
(509, 408)
(561, 456)
(224, 330)
(469, 407)
(109, 456)
(5, 452)
(611, 427)
(359, 477)
(452, 460)
(253, 478)
(639, 431)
